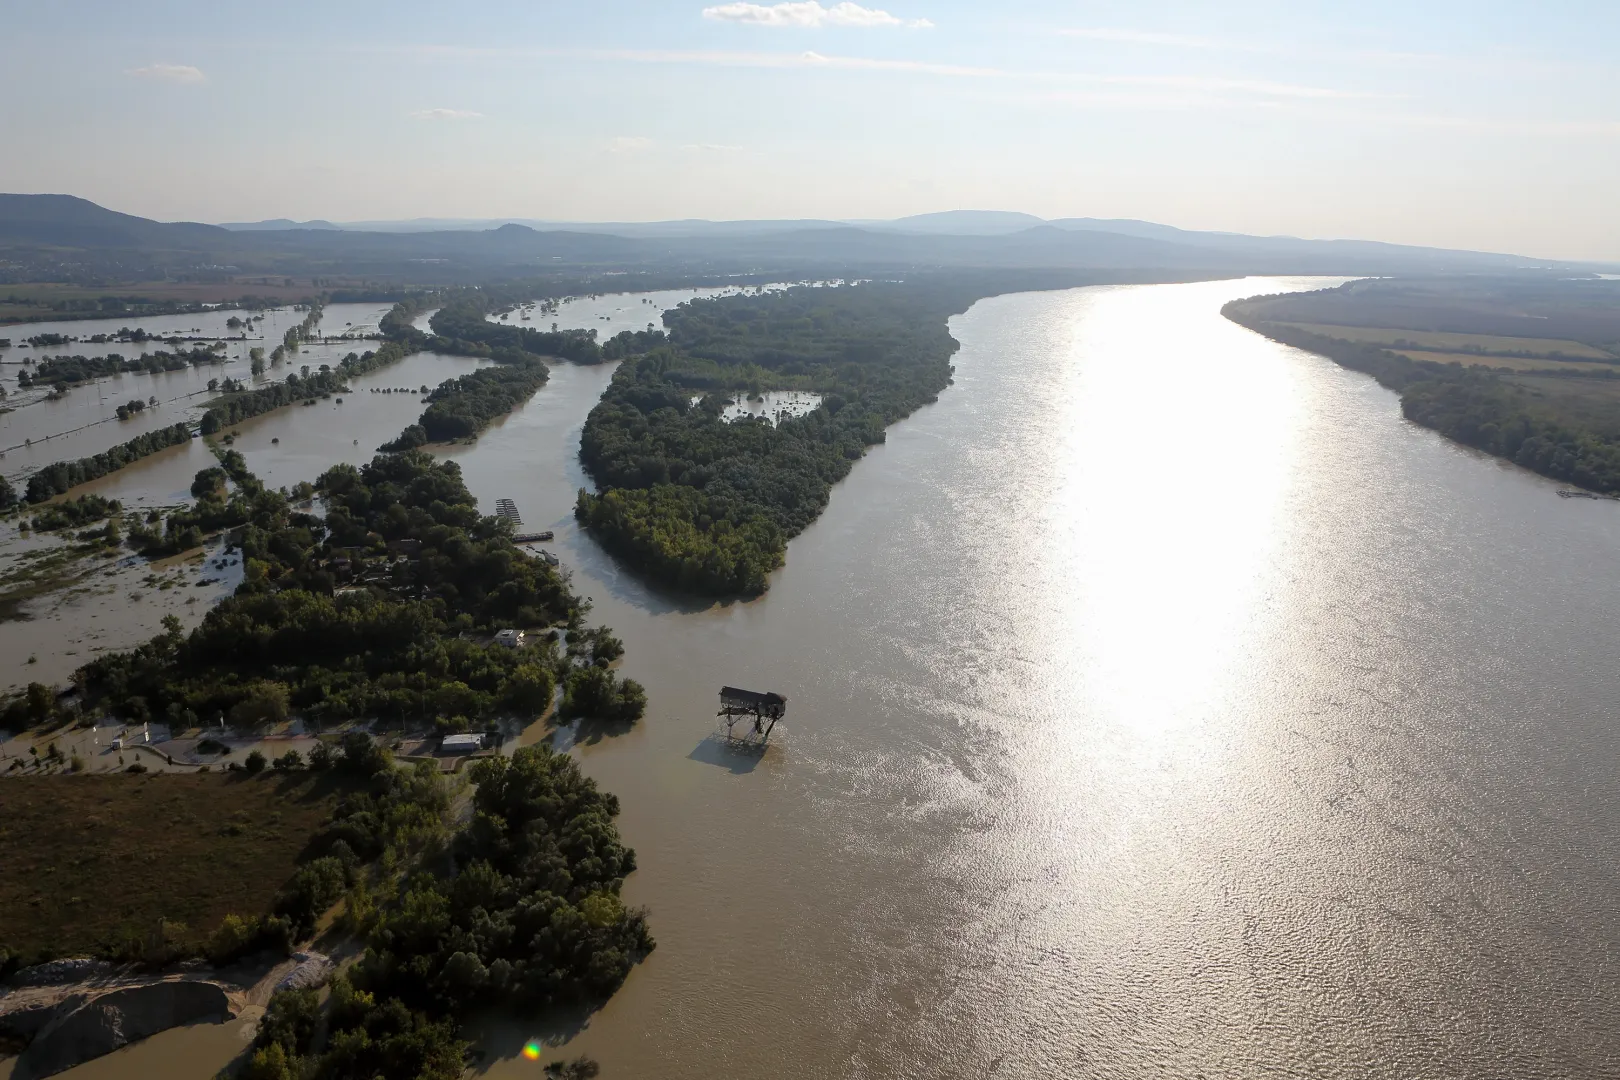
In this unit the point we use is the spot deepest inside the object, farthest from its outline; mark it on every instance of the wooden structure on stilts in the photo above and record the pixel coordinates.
(759, 712)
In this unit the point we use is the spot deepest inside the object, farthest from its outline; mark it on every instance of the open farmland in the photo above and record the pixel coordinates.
(1605, 391)
(1509, 363)
(1433, 341)
(93, 859)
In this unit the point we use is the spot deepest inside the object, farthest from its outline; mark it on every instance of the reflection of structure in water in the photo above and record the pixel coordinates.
(763, 710)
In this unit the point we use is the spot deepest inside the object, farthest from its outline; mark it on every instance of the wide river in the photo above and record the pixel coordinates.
(1161, 704)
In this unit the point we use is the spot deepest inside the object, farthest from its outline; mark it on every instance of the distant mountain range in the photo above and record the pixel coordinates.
(35, 228)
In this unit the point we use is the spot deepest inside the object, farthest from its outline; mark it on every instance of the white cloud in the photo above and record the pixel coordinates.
(446, 114)
(629, 144)
(711, 148)
(175, 73)
(809, 13)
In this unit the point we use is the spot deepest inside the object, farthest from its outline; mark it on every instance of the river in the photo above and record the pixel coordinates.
(1160, 704)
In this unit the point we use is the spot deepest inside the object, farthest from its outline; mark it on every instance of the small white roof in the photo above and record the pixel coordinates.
(452, 742)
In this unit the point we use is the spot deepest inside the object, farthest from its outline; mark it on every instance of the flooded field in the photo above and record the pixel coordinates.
(773, 405)
(84, 421)
(612, 313)
(106, 602)
(302, 441)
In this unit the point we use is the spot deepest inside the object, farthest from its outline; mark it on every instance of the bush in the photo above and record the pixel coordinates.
(255, 763)
(288, 762)
(238, 937)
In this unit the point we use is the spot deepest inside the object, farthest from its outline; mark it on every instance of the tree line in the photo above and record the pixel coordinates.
(245, 404)
(1476, 408)
(63, 476)
(462, 323)
(66, 371)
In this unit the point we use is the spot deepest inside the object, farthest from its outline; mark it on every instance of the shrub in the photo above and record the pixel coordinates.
(255, 763)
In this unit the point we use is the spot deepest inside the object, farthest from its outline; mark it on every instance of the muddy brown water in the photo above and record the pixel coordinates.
(84, 421)
(1160, 704)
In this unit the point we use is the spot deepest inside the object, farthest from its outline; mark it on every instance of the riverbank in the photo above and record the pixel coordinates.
(1472, 406)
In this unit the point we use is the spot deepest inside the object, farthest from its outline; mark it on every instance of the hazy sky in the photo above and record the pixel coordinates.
(1468, 123)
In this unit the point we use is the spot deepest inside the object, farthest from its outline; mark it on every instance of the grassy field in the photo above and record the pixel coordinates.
(1428, 340)
(1508, 363)
(1590, 404)
(1597, 390)
(90, 858)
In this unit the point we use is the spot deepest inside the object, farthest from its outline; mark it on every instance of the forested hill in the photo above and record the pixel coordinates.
(708, 506)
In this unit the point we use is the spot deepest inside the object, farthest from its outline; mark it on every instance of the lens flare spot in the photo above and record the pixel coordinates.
(531, 1050)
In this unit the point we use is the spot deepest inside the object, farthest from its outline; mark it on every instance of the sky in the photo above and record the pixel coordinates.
(1482, 124)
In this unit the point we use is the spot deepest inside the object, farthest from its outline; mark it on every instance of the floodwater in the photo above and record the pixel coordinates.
(612, 313)
(772, 405)
(300, 442)
(1161, 704)
(111, 603)
(84, 421)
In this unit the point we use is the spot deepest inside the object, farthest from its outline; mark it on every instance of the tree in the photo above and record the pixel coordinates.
(320, 757)
(41, 701)
(530, 688)
(270, 1063)
(289, 762)
(255, 763)
(362, 756)
(264, 706)
(207, 482)
(597, 694)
